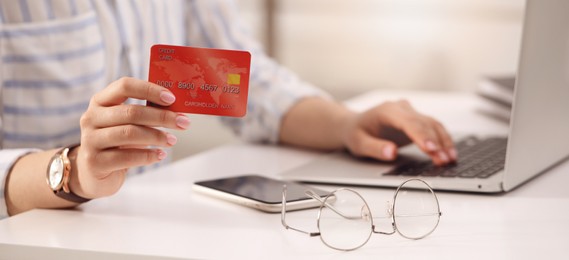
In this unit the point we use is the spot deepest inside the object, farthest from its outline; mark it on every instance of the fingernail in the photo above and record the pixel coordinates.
(453, 154)
(161, 155)
(182, 121)
(167, 97)
(171, 139)
(388, 152)
(443, 157)
(431, 146)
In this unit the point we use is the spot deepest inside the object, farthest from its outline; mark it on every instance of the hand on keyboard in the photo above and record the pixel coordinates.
(478, 159)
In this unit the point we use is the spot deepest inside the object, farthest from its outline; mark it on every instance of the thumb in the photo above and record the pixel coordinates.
(370, 146)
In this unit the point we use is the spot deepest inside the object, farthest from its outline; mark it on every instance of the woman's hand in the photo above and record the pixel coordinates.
(378, 132)
(328, 125)
(117, 136)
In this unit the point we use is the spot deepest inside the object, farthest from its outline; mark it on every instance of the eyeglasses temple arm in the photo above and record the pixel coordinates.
(283, 220)
(328, 205)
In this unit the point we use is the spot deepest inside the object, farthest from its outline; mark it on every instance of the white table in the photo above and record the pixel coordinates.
(157, 214)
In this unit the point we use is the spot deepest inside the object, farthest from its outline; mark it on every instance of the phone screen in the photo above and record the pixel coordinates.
(260, 188)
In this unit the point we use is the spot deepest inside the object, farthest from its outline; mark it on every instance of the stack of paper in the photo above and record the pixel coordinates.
(497, 94)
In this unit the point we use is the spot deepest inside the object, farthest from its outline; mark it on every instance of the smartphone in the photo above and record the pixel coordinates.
(260, 192)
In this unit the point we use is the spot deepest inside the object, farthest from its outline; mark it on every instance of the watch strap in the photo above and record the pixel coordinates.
(70, 196)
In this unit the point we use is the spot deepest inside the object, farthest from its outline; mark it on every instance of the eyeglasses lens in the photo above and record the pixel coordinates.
(345, 220)
(416, 210)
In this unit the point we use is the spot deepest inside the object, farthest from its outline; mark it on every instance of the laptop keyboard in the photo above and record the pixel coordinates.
(477, 158)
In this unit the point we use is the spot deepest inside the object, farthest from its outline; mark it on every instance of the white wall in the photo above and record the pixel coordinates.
(351, 46)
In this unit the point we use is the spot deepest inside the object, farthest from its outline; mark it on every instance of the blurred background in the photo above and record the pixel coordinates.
(349, 47)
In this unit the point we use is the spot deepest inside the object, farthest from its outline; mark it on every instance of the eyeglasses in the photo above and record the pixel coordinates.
(345, 221)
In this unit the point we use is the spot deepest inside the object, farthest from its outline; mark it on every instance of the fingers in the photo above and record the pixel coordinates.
(101, 172)
(446, 141)
(365, 145)
(432, 138)
(119, 91)
(140, 115)
(112, 160)
(129, 136)
(427, 133)
(113, 149)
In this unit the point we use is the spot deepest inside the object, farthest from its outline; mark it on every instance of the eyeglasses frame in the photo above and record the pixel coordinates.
(391, 210)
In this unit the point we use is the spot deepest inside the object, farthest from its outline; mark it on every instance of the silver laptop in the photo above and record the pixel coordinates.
(538, 137)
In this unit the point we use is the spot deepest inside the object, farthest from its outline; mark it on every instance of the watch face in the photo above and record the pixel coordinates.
(56, 173)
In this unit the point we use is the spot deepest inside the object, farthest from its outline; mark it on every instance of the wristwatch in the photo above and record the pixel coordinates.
(58, 174)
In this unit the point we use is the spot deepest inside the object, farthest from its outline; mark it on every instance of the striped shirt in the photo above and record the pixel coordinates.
(55, 54)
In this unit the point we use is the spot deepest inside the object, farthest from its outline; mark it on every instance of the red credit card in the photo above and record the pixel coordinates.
(204, 81)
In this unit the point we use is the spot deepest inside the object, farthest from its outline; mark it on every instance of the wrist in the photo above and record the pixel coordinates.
(347, 122)
(75, 181)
